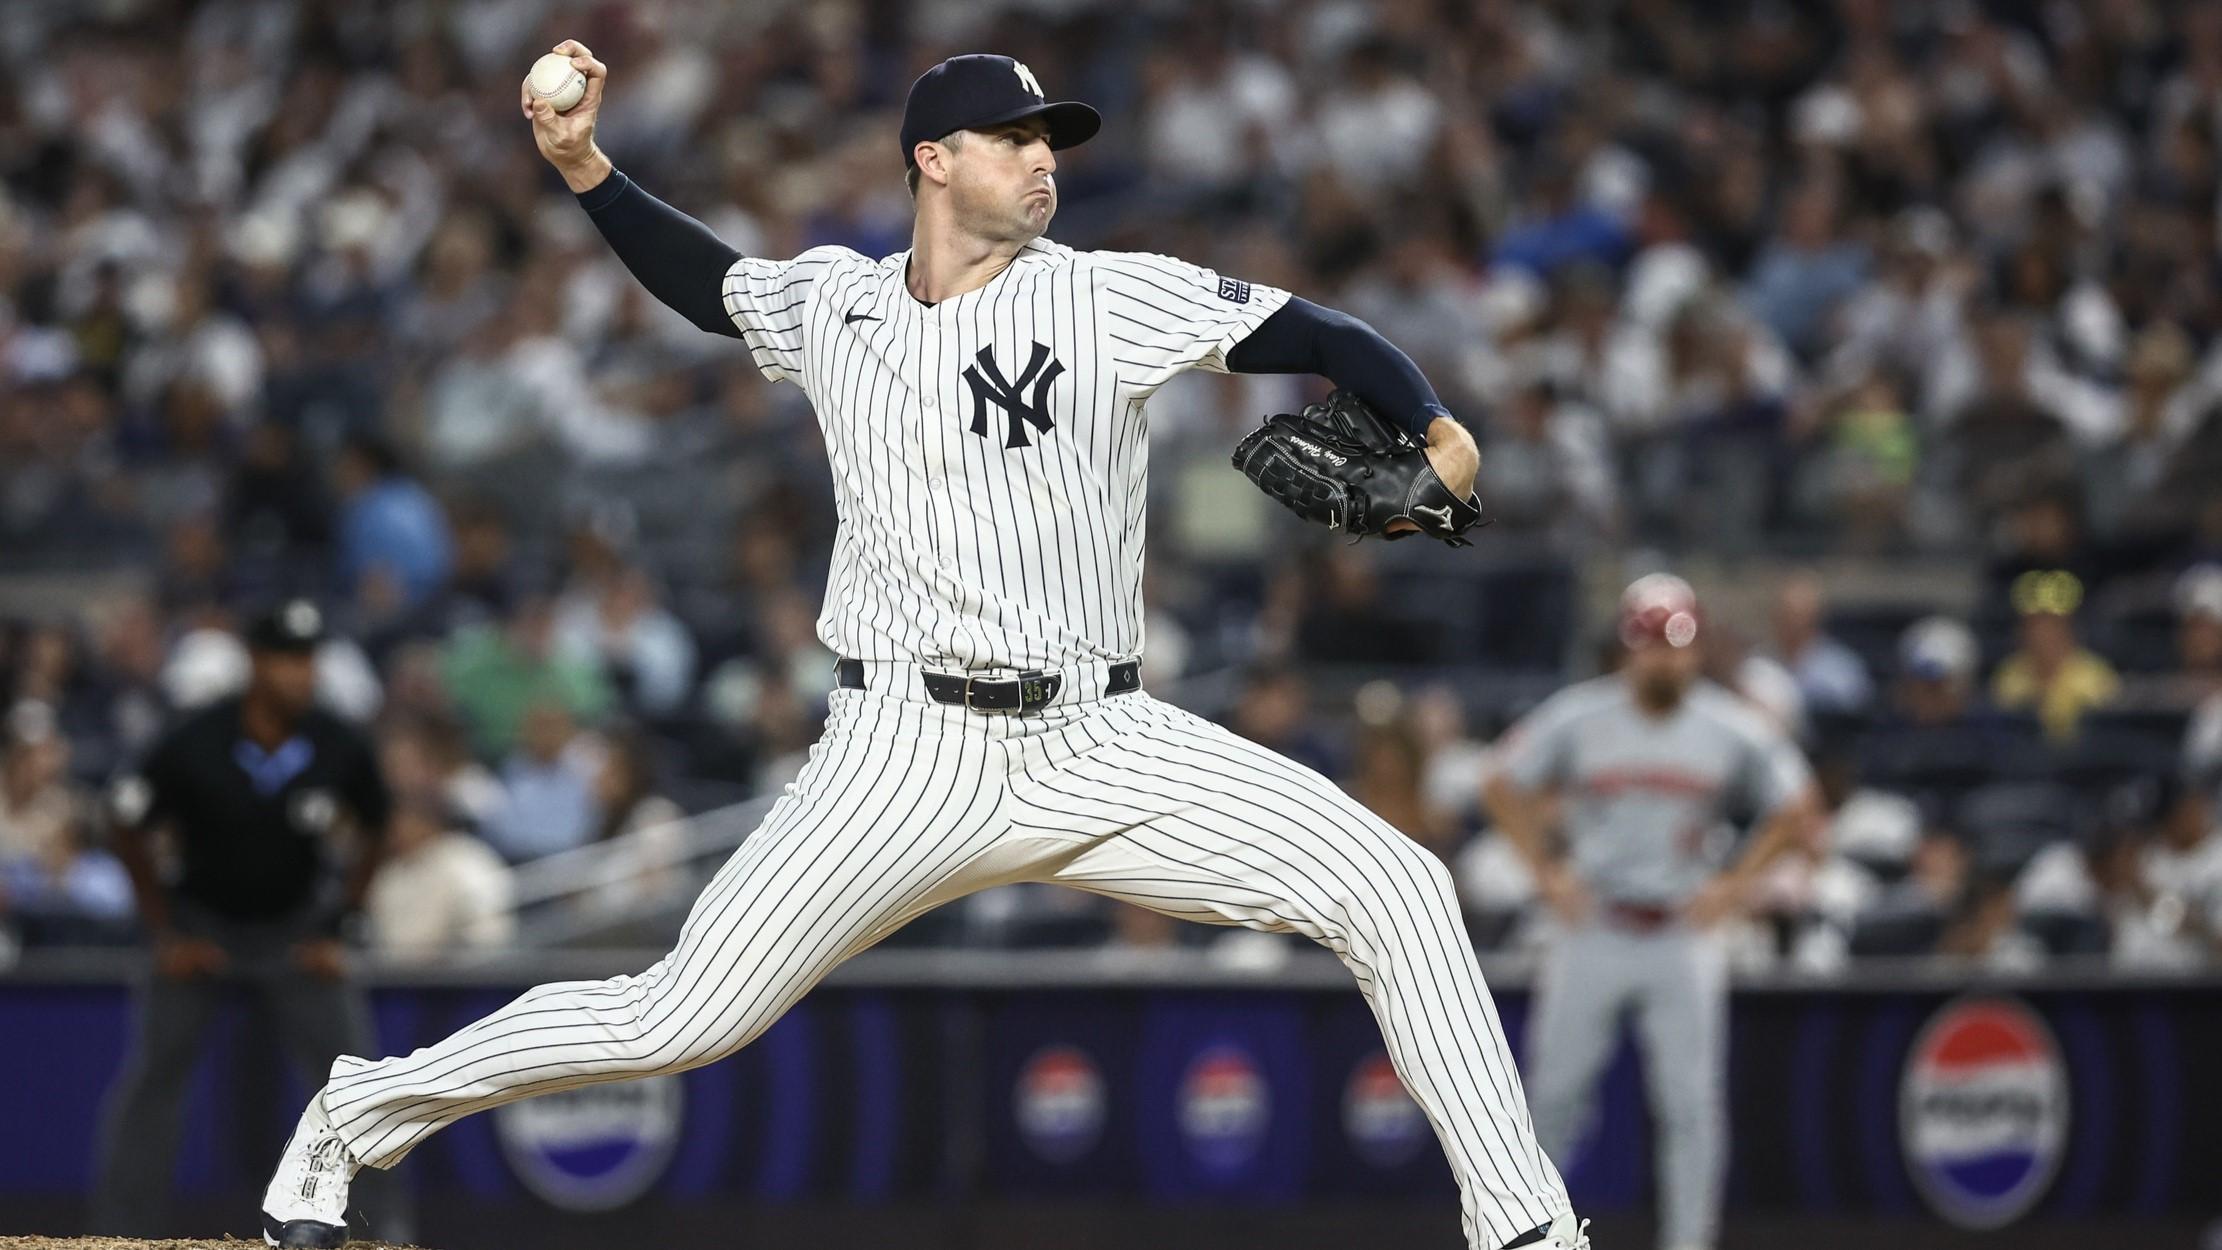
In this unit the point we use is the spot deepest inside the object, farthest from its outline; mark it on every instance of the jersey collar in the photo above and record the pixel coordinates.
(949, 310)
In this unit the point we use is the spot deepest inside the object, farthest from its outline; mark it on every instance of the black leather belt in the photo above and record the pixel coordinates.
(1023, 693)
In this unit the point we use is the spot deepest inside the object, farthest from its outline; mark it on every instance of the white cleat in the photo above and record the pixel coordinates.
(306, 1204)
(1565, 1234)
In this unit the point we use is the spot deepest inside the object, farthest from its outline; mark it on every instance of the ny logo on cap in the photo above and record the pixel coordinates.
(989, 387)
(1026, 78)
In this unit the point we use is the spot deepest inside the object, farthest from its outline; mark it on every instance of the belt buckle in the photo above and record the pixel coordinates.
(974, 683)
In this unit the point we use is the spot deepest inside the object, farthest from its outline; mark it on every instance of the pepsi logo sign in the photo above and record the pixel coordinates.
(1983, 1111)
(1384, 1124)
(596, 1147)
(1059, 1103)
(1224, 1108)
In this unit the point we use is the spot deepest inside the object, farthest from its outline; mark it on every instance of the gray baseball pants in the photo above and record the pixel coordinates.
(1673, 983)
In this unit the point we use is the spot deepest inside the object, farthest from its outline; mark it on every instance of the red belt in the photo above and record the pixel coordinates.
(1640, 917)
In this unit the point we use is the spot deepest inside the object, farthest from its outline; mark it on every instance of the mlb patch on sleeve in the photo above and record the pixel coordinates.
(1234, 290)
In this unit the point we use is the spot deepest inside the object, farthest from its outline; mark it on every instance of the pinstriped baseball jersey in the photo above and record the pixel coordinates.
(989, 456)
(990, 452)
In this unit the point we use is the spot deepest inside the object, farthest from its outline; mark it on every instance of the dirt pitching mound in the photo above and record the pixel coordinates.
(126, 1243)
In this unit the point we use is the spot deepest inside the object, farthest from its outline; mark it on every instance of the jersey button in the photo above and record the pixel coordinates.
(933, 483)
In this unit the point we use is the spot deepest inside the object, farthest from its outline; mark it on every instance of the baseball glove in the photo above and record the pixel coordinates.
(1340, 464)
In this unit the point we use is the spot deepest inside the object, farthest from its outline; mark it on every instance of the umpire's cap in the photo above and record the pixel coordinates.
(293, 627)
(980, 90)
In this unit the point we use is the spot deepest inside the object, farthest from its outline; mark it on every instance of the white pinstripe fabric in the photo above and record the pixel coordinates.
(954, 549)
(905, 805)
(969, 541)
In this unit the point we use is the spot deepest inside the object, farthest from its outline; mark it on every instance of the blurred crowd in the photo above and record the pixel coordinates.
(290, 305)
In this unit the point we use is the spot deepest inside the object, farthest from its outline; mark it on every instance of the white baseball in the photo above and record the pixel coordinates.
(556, 80)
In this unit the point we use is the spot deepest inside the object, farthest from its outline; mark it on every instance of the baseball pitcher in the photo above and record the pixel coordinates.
(983, 400)
(1644, 769)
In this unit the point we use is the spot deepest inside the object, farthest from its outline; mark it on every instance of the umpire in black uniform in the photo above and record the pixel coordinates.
(260, 793)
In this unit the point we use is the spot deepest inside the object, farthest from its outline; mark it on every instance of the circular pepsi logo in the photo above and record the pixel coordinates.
(597, 1147)
(1059, 1103)
(1224, 1108)
(1384, 1124)
(1983, 1111)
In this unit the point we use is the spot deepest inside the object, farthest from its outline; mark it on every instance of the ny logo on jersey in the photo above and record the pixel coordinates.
(988, 387)
(1026, 77)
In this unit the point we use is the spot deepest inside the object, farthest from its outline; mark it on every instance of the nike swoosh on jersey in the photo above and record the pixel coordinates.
(853, 318)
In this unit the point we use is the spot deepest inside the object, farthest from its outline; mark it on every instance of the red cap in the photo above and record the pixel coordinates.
(1658, 607)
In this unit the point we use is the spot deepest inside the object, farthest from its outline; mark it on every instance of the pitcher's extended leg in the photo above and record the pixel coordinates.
(883, 821)
(1181, 816)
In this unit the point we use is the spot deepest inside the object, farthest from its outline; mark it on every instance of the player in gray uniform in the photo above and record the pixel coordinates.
(1643, 770)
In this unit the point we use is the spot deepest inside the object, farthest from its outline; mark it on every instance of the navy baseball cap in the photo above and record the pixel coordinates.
(980, 90)
(294, 627)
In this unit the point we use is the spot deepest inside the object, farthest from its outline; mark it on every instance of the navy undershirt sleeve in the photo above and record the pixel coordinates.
(1303, 337)
(676, 257)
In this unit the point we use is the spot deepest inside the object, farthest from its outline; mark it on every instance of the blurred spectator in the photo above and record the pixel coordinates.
(1378, 124)
(1910, 917)
(1213, 111)
(650, 827)
(1345, 618)
(548, 788)
(1872, 839)
(1829, 674)
(1385, 776)
(393, 544)
(1865, 457)
(2198, 603)
(1546, 468)
(54, 888)
(115, 705)
(1758, 679)
(1272, 710)
(2005, 425)
(2202, 747)
(1987, 928)
(1937, 660)
(276, 514)
(2177, 886)
(1560, 230)
(625, 789)
(73, 895)
(2125, 479)
(1807, 271)
(1455, 759)
(495, 672)
(441, 893)
(39, 808)
(483, 586)
(615, 623)
(427, 761)
(2052, 674)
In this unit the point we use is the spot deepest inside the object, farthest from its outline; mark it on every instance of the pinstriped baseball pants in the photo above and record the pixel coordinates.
(906, 804)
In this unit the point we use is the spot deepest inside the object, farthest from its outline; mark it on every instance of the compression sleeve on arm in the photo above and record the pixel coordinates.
(672, 254)
(1303, 337)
